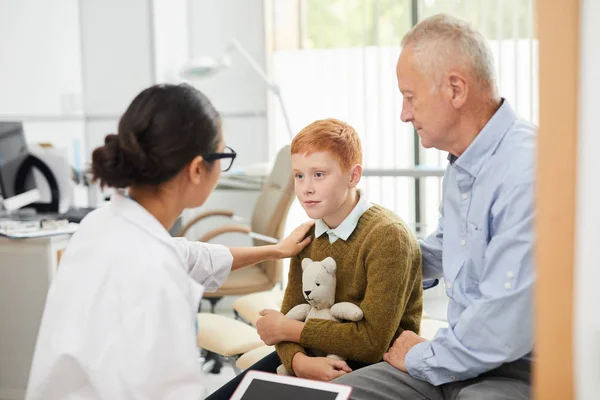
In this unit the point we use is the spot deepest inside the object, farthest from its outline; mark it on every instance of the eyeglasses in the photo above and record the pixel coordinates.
(227, 156)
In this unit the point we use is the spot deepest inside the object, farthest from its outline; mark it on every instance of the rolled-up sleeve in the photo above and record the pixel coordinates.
(208, 264)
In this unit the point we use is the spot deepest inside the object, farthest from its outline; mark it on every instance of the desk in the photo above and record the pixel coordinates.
(27, 267)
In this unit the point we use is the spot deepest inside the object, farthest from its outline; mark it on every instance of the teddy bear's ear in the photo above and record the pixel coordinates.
(329, 264)
(305, 262)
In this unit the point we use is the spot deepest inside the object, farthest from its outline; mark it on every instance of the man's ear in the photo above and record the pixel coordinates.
(459, 89)
(195, 169)
(355, 175)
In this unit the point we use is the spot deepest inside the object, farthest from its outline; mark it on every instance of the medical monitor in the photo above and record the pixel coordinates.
(13, 153)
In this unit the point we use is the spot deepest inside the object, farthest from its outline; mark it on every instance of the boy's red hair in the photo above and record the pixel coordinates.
(331, 135)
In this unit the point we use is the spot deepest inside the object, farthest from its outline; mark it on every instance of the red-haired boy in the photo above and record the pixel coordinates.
(378, 260)
(378, 264)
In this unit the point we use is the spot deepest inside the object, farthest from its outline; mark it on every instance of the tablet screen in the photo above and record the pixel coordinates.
(258, 385)
(260, 390)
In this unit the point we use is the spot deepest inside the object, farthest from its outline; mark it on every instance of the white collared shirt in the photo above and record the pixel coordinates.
(120, 315)
(345, 229)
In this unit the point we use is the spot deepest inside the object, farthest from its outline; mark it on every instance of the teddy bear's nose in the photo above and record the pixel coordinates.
(307, 292)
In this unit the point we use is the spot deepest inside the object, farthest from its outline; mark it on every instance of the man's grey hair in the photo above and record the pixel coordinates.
(442, 39)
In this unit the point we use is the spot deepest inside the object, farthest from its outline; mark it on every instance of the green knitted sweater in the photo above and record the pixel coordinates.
(379, 270)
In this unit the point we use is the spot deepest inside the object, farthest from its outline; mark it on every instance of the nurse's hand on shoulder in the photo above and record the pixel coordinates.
(296, 241)
(288, 247)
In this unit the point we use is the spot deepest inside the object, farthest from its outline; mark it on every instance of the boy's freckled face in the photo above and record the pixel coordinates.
(319, 183)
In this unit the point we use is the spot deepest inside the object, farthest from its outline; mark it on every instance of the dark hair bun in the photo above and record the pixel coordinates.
(107, 165)
(164, 128)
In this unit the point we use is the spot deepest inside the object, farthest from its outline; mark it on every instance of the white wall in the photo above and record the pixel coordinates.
(39, 58)
(116, 53)
(587, 263)
(238, 92)
(171, 38)
(40, 70)
(117, 63)
(69, 68)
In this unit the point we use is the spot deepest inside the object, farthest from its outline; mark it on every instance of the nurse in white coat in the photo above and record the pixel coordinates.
(120, 316)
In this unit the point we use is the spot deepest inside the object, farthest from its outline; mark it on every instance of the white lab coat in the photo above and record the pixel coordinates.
(120, 317)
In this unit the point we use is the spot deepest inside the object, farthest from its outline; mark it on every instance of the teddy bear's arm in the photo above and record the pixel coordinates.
(299, 312)
(347, 311)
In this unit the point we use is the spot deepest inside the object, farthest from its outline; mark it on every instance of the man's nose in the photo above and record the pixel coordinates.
(406, 115)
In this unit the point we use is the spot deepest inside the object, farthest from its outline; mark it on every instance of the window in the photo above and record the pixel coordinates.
(337, 58)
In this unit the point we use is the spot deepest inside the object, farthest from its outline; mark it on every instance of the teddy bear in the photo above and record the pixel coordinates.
(318, 289)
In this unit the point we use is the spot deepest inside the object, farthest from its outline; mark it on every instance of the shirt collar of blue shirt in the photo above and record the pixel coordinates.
(486, 141)
(345, 229)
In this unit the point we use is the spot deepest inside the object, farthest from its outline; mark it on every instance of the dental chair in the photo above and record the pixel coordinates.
(266, 226)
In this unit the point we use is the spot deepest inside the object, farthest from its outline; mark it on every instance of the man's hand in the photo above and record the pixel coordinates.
(397, 353)
(319, 368)
(295, 242)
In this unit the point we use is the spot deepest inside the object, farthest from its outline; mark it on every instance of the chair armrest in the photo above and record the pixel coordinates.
(236, 229)
(224, 229)
(198, 218)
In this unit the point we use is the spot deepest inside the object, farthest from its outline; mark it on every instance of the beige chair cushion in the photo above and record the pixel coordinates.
(250, 305)
(226, 336)
(251, 357)
(244, 280)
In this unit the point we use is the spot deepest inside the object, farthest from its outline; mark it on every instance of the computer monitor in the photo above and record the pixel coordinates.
(13, 152)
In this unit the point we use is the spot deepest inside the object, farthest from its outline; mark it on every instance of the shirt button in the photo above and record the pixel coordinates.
(507, 285)
(463, 242)
(465, 196)
(510, 275)
(449, 285)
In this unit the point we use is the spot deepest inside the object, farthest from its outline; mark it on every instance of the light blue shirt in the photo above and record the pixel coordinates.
(345, 229)
(483, 247)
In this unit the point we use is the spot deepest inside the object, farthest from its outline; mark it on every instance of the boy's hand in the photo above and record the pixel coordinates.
(270, 326)
(296, 241)
(273, 327)
(319, 368)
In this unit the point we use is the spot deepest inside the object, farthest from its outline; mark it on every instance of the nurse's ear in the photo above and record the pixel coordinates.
(196, 170)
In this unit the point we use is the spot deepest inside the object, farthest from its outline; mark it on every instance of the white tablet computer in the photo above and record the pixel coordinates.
(258, 385)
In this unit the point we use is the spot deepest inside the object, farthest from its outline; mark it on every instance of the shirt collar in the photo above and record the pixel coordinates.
(345, 229)
(486, 142)
(133, 212)
(130, 210)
